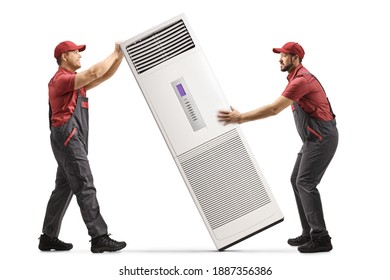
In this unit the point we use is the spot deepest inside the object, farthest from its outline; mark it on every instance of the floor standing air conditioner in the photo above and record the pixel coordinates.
(215, 161)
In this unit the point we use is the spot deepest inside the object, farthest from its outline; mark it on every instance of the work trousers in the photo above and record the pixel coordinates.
(320, 140)
(70, 147)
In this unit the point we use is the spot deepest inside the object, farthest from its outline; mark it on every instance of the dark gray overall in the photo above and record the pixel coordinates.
(70, 147)
(320, 139)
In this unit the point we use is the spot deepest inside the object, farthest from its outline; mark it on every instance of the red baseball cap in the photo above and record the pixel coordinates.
(66, 46)
(291, 47)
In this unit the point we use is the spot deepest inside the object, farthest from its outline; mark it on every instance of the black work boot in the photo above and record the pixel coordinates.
(48, 243)
(298, 241)
(322, 244)
(104, 243)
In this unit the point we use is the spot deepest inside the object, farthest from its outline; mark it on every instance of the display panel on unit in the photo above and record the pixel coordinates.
(188, 104)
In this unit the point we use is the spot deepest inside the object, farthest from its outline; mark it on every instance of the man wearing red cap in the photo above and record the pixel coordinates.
(68, 106)
(316, 126)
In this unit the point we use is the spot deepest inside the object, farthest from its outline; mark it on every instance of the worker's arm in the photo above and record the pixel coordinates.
(101, 71)
(266, 111)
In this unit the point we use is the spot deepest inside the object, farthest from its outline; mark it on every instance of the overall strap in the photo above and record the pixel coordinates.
(50, 115)
(330, 106)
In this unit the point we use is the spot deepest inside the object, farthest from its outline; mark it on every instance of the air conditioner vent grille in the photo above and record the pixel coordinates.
(160, 46)
(224, 179)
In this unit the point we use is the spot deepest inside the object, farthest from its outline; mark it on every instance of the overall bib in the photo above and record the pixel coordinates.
(320, 140)
(70, 147)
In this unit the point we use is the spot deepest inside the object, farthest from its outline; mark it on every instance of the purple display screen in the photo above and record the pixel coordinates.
(181, 90)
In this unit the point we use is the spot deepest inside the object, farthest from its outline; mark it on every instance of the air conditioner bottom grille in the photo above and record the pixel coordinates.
(224, 179)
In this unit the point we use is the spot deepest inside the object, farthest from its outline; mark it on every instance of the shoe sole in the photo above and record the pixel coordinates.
(107, 249)
(297, 244)
(317, 251)
(46, 249)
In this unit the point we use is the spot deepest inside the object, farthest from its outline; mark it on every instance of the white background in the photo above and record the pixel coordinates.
(141, 193)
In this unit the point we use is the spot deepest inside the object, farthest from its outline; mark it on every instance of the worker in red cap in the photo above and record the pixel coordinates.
(68, 113)
(316, 125)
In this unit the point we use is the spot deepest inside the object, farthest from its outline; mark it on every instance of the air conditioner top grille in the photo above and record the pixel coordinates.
(160, 46)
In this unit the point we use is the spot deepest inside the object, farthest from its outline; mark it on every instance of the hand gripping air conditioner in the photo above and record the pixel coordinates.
(214, 160)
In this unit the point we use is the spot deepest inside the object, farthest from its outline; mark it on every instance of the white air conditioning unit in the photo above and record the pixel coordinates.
(214, 160)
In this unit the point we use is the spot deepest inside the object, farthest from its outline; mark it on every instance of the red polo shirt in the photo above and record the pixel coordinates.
(62, 96)
(308, 93)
